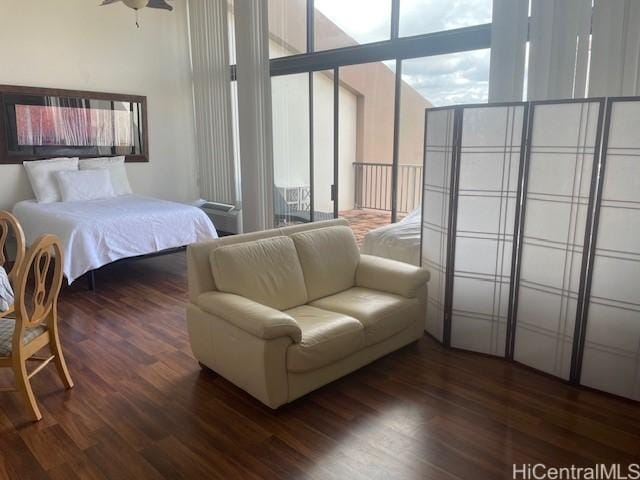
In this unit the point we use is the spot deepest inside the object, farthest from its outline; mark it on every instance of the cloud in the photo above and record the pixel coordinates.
(449, 79)
(370, 20)
(426, 16)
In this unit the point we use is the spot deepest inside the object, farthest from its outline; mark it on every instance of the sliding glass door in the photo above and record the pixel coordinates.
(365, 160)
(303, 111)
(323, 145)
(291, 149)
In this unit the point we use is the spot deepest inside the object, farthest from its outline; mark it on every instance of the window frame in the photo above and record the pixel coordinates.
(476, 37)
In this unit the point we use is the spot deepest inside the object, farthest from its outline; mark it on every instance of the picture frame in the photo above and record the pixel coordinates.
(38, 123)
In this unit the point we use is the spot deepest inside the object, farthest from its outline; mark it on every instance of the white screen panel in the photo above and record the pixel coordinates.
(489, 167)
(611, 360)
(562, 146)
(437, 185)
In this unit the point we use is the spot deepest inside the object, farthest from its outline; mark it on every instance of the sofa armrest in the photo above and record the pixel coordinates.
(252, 317)
(391, 276)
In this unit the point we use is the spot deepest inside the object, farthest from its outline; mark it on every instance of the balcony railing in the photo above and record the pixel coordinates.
(373, 187)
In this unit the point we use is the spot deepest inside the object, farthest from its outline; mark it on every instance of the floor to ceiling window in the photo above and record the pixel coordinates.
(350, 84)
(291, 165)
(323, 143)
(368, 176)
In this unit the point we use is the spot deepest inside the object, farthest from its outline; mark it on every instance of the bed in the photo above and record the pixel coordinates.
(97, 232)
(398, 241)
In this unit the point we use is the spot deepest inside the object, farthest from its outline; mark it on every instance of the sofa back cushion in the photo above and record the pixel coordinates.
(329, 258)
(266, 271)
(199, 274)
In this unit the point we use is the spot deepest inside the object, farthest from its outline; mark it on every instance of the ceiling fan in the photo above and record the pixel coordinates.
(138, 4)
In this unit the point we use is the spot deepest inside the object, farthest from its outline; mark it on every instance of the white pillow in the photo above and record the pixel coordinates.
(85, 185)
(42, 178)
(115, 165)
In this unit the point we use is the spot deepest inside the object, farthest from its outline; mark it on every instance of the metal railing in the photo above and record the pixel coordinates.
(373, 186)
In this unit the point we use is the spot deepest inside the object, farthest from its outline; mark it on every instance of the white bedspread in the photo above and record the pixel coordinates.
(398, 241)
(98, 232)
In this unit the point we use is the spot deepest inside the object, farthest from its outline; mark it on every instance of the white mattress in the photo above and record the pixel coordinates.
(99, 232)
(398, 241)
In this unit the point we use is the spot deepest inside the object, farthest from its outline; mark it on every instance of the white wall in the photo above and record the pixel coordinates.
(76, 44)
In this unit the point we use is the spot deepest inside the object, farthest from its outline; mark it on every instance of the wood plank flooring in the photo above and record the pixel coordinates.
(142, 408)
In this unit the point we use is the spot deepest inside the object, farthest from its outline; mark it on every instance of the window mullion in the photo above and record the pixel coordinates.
(395, 19)
(310, 26)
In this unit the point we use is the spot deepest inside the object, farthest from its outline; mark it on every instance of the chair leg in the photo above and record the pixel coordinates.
(61, 365)
(23, 385)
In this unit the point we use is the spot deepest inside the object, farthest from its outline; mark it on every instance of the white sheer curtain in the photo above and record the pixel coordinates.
(212, 100)
(508, 46)
(615, 51)
(575, 50)
(558, 44)
(254, 113)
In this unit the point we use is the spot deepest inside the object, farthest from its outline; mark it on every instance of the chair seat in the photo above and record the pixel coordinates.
(326, 337)
(382, 314)
(7, 326)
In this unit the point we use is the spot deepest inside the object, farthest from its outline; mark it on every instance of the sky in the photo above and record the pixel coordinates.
(444, 79)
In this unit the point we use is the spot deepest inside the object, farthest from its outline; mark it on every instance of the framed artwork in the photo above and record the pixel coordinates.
(37, 123)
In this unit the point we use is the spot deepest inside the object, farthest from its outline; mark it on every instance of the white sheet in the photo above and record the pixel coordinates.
(398, 241)
(97, 232)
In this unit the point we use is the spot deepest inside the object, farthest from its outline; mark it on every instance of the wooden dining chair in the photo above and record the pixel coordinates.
(36, 285)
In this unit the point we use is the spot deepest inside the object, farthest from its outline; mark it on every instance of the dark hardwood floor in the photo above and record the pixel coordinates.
(142, 408)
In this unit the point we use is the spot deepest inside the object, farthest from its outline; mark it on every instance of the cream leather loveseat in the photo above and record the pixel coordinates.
(282, 312)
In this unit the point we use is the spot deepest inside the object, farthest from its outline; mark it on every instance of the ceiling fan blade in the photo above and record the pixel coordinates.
(108, 2)
(159, 4)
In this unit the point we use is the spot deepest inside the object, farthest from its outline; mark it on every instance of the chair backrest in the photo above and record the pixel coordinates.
(38, 282)
(9, 224)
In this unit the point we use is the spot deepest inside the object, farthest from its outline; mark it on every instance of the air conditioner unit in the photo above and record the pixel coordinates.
(225, 217)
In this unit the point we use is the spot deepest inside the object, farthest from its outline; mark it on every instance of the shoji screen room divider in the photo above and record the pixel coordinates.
(531, 229)
(559, 183)
(611, 337)
(471, 177)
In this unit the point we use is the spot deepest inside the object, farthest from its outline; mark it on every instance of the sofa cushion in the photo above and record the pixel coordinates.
(326, 337)
(382, 314)
(266, 271)
(329, 258)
